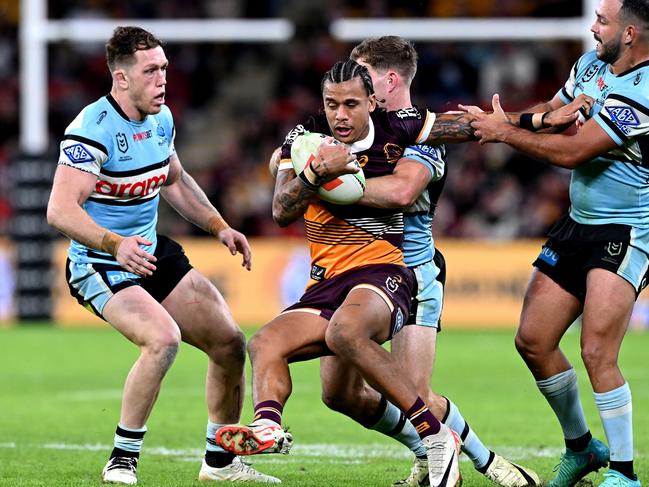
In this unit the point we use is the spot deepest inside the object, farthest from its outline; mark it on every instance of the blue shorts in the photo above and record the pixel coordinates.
(94, 284)
(426, 308)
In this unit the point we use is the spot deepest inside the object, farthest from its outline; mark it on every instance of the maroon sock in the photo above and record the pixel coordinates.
(422, 419)
(269, 410)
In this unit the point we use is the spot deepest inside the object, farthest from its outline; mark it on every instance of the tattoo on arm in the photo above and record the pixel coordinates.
(451, 127)
(291, 198)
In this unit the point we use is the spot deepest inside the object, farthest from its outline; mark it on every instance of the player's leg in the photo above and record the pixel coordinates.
(137, 316)
(344, 390)
(294, 335)
(414, 346)
(607, 310)
(205, 321)
(364, 320)
(548, 310)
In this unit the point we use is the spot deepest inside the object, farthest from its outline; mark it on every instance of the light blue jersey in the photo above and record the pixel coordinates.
(418, 244)
(613, 187)
(131, 162)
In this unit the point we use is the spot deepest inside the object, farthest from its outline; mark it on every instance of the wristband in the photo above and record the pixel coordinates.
(215, 224)
(111, 242)
(525, 121)
(305, 181)
(312, 176)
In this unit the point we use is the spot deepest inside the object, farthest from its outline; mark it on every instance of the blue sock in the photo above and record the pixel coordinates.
(473, 447)
(128, 440)
(210, 437)
(394, 423)
(616, 413)
(562, 394)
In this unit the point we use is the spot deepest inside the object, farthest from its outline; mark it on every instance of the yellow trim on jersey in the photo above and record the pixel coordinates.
(378, 291)
(312, 311)
(428, 126)
(285, 164)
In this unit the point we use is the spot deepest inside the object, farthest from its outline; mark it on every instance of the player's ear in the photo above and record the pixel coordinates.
(120, 78)
(372, 104)
(392, 80)
(630, 34)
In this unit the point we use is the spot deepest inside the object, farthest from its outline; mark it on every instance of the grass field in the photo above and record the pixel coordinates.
(60, 397)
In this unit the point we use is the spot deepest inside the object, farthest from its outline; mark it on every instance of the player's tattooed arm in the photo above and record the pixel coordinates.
(290, 199)
(451, 127)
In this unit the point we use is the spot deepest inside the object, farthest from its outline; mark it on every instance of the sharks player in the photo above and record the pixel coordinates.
(117, 157)
(595, 261)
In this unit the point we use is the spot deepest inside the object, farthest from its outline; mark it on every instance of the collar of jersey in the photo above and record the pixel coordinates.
(121, 112)
(366, 143)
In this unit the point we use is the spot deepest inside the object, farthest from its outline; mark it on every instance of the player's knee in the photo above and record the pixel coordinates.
(336, 402)
(524, 345)
(258, 344)
(596, 356)
(341, 339)
(234, 348)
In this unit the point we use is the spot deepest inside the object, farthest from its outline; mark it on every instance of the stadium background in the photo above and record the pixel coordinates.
(233, 102)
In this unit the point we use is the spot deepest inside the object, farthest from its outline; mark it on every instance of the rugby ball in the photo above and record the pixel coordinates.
(345, 189)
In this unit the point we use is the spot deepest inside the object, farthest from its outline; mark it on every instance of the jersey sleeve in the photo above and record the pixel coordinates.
(85, 145)
(412, 124)
(431, 156)
(584, 69)
(625, 116)
(311, 125)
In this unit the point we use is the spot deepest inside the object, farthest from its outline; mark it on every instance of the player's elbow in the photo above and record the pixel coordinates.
(404, 199)
(567, 159)
(281, 218)
(53, 214)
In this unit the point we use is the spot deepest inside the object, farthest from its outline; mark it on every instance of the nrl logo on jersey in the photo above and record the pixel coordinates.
(122, 142)
(592, 71)
(624, 117)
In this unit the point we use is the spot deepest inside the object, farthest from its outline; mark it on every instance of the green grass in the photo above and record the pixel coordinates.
(60, 399)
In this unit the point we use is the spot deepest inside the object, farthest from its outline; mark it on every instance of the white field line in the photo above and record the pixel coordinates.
(310, 452)
(318, 452)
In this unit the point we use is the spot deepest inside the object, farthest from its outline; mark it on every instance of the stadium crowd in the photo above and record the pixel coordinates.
(233, 103)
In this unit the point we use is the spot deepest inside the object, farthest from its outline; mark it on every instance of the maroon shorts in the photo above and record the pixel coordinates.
(394, 283)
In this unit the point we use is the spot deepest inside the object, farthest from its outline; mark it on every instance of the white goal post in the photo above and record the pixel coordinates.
(36, 31)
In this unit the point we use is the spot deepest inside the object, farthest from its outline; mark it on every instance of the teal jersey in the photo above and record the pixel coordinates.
(613, 187)
(418, 244)
(131, 162)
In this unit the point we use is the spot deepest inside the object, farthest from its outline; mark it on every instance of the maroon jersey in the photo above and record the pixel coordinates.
(344, 237)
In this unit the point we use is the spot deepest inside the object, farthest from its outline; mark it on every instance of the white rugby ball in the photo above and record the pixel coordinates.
(345, 189)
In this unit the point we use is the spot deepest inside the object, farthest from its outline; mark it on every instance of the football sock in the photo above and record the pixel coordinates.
(269, 410)
(562, 394)
(472, 446)
(422, 419)
(393, 422)
(215, 456)
(615, 410)
(128, 441)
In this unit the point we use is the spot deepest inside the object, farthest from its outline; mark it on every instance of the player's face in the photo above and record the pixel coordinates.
(380, 82)
(348, 106)
(607, 30)
(147, 79)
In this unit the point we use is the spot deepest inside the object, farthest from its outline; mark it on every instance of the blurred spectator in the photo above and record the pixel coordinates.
(234, 103)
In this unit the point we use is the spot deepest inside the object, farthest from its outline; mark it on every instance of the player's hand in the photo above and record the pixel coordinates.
(334, 160)
(133, 258)
(565, 116)
(236, 242)
(472, 109)
(491, 127)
